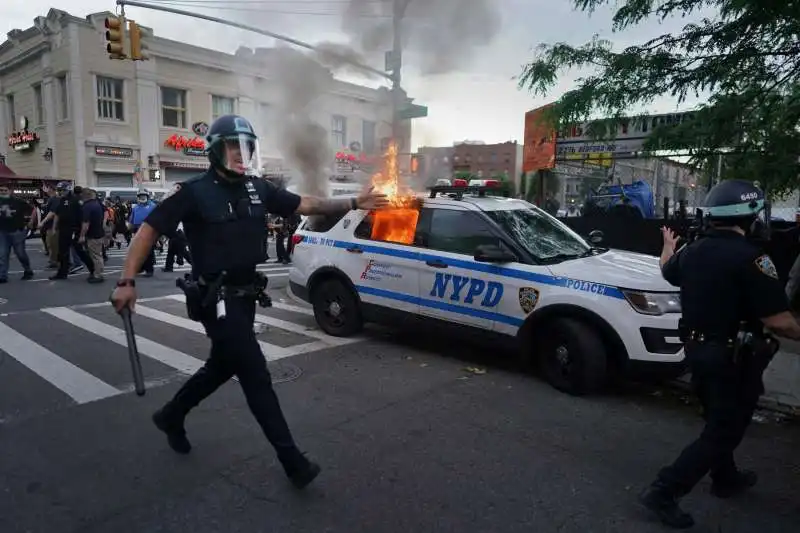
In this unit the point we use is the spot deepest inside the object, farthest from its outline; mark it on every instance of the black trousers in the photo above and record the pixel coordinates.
(280, 246)
(728, 393)
(178, 249)
(235, 352)
(67, 241)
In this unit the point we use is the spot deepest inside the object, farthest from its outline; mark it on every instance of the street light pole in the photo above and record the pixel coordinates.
(253, 29)
(398, 10)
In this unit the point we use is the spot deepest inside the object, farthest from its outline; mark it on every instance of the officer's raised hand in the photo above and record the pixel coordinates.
(371, 199)
(669, 238)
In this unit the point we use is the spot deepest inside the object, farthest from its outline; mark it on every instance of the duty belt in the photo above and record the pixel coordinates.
(701, 337)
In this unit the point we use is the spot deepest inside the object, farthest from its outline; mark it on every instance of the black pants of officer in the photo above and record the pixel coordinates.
(149, 264)
(235, 352)
(728, 393)
(178, 248)
(67, 241)
(280, 246)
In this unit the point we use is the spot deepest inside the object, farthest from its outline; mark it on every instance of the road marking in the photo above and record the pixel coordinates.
(272, 352)
(293, 308)
(74, 382)
(172, 358)
(303, 330)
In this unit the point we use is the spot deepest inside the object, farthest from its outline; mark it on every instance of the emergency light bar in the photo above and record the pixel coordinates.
(457, 191)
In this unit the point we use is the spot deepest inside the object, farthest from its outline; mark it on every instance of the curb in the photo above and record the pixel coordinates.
(765, 402)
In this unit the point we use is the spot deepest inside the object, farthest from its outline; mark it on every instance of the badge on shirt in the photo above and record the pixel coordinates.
(253, 193)
(766, 266)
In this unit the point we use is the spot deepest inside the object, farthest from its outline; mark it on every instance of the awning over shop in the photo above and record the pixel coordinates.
(6, 173)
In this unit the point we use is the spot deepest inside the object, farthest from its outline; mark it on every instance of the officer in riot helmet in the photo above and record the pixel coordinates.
(730, 293)
(223, 212)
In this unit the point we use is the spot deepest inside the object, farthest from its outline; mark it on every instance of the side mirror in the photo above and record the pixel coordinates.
(492, 253)
(596, 237)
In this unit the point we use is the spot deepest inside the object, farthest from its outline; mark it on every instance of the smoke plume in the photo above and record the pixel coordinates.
(441, 36)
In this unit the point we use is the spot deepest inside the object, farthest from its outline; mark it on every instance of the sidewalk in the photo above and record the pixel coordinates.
(781, 379)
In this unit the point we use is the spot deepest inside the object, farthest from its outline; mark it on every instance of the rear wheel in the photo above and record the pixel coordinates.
(336, 308)
(572, 356)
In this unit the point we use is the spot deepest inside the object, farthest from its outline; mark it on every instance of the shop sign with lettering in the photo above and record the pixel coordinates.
(196, 146)
(23, 140)
(111, 151)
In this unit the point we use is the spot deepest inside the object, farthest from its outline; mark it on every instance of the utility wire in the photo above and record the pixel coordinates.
(226, 6)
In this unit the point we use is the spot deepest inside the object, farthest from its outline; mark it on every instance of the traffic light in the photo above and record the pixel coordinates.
(115, 37)
(138, 38)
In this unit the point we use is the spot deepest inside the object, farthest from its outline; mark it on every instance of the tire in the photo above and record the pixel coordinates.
(585, 369)
(336, 308)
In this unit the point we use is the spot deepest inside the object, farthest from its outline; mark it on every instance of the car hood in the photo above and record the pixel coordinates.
(617, 268)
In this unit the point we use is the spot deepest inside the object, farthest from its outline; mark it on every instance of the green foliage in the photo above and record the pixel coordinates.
(531, 184)
(747, 58)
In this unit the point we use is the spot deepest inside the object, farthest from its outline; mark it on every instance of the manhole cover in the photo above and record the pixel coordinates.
(283, 372)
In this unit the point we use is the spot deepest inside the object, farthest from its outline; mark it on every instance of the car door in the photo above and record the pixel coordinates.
(453, 286)
(386, 274)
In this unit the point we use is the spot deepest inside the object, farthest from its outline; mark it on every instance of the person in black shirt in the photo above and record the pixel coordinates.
(730, 292)
(92, 233)
(223, 212)
(14, 225)
(68, 220)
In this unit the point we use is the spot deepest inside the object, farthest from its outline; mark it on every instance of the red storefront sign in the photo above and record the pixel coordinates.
(185, 144)
(22, 140)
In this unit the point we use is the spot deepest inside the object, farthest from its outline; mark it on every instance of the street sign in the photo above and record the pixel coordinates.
(413, 111)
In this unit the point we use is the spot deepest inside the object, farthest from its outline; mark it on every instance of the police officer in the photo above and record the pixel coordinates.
(729, 293)
(139, 213)
(223, 215)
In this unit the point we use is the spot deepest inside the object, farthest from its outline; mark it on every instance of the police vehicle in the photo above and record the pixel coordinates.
(499, 267)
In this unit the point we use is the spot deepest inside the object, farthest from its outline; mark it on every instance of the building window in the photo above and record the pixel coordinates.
(221, 105)
(110, 102)
(173, 108)
(264, 120)
(339, 131)
(63, 97)
(12, 116)
(368, 134)
(38, 102)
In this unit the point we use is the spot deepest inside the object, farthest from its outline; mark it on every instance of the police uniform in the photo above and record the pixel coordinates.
(727, 286)
(223, 220)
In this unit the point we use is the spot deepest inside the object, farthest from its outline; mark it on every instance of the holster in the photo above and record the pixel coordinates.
(195, 296)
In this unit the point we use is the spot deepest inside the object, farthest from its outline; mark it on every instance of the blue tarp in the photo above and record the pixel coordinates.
(638, 194)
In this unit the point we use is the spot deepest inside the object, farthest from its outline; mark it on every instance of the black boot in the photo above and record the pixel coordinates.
(743, 480)
(173, 428)
(663, 504)
(301, 472)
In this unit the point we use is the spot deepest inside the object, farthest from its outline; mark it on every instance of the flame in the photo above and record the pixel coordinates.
(398, 223)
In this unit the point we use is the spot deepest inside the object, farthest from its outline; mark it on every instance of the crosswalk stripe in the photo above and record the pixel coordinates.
(302, 330)
(73, 381)
(272, 352)
(293, 308)
(168, 356)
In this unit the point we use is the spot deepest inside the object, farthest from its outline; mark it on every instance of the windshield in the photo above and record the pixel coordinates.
(543, 236)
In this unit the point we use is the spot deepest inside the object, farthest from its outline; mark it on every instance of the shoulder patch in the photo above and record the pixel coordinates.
(766, 266)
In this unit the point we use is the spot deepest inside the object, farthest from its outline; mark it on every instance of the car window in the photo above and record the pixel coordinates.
(459, 232)
(400, 226)
(322, 223)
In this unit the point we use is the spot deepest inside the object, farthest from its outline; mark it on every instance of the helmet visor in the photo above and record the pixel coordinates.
(240, 155)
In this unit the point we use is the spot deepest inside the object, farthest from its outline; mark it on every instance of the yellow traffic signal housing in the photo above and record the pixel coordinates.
(115, 37)
(138, 37)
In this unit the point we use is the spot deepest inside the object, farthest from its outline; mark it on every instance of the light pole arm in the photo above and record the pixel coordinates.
(254, 30)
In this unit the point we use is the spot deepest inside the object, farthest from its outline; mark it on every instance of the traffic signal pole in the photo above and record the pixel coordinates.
(284, 38)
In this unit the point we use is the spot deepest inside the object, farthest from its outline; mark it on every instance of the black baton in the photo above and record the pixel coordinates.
(133, 351)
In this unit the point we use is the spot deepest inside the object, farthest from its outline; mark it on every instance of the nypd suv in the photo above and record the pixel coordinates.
(499, 267)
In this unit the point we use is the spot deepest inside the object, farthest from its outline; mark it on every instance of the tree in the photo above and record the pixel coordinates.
(747, 58)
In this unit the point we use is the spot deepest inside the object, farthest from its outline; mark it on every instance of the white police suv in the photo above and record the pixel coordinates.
(502, 268)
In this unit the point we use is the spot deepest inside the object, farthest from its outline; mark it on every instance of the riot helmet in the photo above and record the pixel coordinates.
(142, 196)
(735, 203)
(233, 147)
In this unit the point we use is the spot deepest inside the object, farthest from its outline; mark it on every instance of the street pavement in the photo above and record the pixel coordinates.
(414, 433)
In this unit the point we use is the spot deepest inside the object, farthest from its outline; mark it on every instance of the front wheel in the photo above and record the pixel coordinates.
(572, 356)
(336, 309)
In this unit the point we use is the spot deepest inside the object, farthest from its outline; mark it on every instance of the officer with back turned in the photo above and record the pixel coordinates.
(729, 293)
(223, 213)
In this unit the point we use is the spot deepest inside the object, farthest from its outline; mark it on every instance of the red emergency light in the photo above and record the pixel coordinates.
(296, 239)
(459, 183)
(492, 183)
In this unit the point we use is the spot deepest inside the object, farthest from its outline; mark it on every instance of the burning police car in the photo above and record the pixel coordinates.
(496, 266)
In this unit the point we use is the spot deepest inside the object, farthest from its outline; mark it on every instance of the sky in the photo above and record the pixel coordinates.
(468, 85)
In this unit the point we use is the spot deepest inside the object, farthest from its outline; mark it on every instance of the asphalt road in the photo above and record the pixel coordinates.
(413, 433)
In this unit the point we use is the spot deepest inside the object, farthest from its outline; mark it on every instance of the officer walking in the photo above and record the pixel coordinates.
(144, 206)
(223, 215)
(729, 292)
